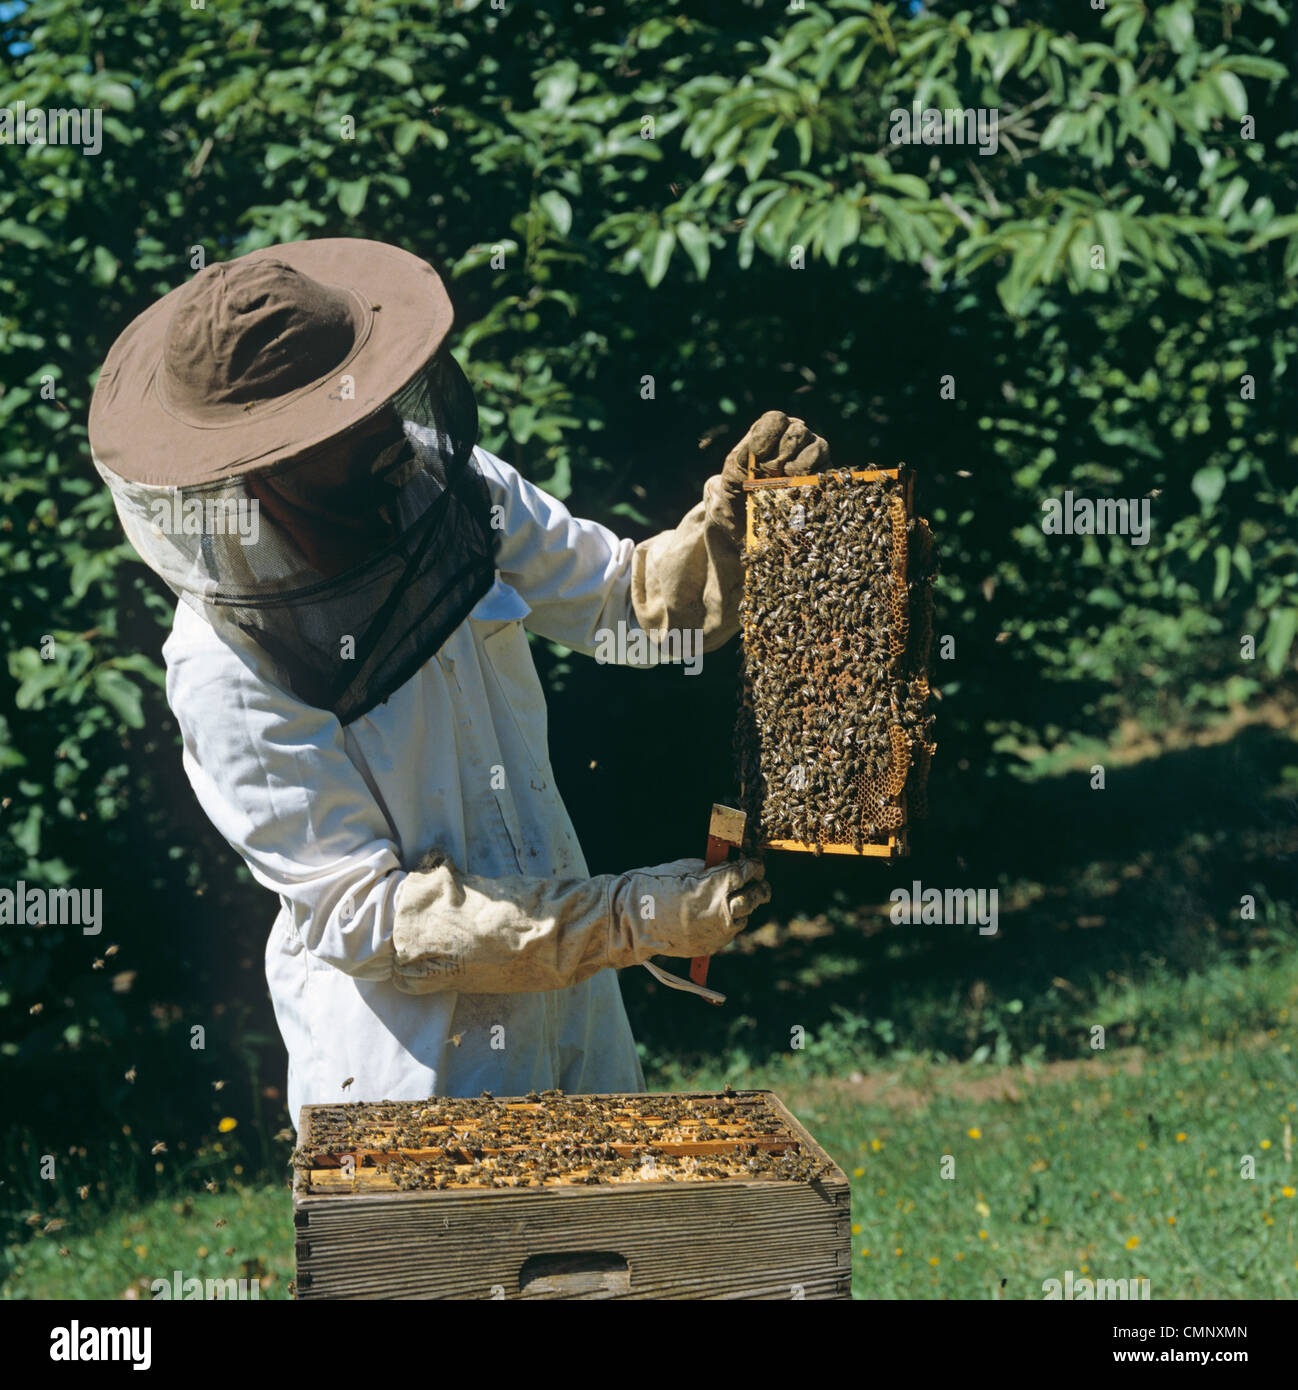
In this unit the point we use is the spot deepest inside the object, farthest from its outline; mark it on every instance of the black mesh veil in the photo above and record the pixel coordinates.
(350, 569)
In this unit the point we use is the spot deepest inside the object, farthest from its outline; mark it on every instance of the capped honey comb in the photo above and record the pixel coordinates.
(549, 1139)
(834, 736)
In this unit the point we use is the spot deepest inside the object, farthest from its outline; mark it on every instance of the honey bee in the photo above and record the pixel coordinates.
(130, 1075)
(83, 1193)
(348, 1082)
(826, 613)
(35, 1009)
(221, 1221)
(158, 1148)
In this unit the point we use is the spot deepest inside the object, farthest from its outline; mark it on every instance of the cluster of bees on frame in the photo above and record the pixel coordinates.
(547, 1138)
(834, 735)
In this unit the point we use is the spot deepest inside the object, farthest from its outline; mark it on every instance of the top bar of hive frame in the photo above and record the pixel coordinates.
(859, 475)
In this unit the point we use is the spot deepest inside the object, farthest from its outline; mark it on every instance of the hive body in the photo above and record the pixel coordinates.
(834, 736)
(634, 1196)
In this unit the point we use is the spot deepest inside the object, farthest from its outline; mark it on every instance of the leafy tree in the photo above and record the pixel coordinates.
(657, 222)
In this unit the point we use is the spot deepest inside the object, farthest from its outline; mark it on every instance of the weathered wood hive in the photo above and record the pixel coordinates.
(679, 1196)
(834, 735)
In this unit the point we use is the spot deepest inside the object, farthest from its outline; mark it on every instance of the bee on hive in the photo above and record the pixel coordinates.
(834, 736)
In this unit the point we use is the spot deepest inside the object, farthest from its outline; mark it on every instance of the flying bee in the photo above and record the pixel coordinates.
(158, 1148)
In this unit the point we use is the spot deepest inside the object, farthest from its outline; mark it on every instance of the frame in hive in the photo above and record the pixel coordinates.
(696, 1195)
(834, 737)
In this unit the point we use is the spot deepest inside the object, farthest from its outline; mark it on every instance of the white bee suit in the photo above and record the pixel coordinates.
(334, 819)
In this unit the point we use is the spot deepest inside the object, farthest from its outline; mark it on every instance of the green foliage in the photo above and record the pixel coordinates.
(619, 193)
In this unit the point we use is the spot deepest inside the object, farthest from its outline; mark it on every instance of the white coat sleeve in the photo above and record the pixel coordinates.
(581, 579)
(273, 777)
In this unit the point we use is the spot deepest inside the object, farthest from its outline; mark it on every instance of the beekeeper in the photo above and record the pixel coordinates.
(291, 446)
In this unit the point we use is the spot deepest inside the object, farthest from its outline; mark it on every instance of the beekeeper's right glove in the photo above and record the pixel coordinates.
(518, 935)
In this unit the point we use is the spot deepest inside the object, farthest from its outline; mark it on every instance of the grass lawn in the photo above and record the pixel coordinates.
(949, 1073)
(1120, 1166)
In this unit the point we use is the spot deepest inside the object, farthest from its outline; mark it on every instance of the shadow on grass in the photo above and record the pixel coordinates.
(1104, 895)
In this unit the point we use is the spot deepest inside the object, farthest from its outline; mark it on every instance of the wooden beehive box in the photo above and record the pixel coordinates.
(677, 1196)
(818, 670)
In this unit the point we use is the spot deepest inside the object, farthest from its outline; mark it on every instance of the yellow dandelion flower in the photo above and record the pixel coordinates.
(141, 1250)
(858, 1172)
(1288, 1191)
(876, 1144)
(959, 1254)
(982, 1235)
(933, 1260)
(1266, 1143)
(1171, 1221)
(865, 1252)
(1181, 1136)
(897, 1251)
(856, 1230)
(1133, 1242)
(975, 1134)
(1085, 1268)
(227, 1124)
(201, 1252)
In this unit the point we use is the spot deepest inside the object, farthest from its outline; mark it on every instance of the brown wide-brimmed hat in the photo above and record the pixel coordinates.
(264, 358)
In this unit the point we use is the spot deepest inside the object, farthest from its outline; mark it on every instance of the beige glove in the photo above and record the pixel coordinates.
(780, 444)
(517, 935)
(692, 578)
